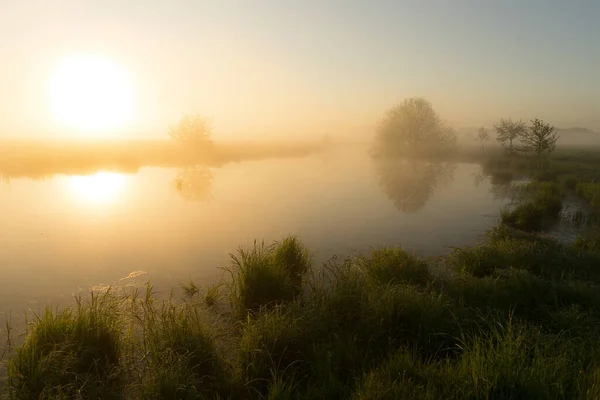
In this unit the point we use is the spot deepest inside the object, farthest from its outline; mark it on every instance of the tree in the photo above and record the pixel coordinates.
(413, 125)
(483, 135)
(539, 138)
(508, 130)
(193, 132)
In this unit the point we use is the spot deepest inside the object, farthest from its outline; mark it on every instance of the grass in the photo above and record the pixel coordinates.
(74, 352)
(267, 275)
(540, 255)
(517, 317)
(180, 352)
(541, 204)
(507, 362)
(565, 163)
(394, 265)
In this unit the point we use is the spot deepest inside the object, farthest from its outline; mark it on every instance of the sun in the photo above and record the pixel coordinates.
(91, 95)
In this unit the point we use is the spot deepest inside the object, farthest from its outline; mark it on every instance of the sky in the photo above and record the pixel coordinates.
(293, 69)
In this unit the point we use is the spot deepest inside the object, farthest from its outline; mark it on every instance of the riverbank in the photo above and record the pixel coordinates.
(21, 159)
(514, 316)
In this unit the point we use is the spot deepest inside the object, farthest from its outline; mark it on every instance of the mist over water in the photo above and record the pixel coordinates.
(71, 233)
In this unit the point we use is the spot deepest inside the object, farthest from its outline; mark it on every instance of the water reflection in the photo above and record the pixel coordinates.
(410, 183)
(194, 183)
(97, 189)
(478, 177)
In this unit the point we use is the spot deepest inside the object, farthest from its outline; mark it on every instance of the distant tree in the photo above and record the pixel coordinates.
(413, 125)
(508, 130)
(539, 138)
(483, 135)
(192, 131)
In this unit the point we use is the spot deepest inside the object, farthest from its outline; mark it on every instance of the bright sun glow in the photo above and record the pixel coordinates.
(92, 95)
(98, 189)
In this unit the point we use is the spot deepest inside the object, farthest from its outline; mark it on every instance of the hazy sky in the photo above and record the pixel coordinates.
(291, 68)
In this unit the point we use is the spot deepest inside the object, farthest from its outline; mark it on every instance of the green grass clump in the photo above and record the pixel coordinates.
(74, 352)
(320, 343)
(274, 344)
(540, 255)
(588, 241)
(267, 275)
(521, 293)
(291, 256)
(510, 361)
(394, 265)
(542, 203)
(527, 217)
(590, 191)
(182, 359)
(519, 318)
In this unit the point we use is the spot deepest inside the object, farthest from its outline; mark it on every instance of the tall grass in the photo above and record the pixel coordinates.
(71, 352)
(519, 318)
(267, 275)
(180, 351)
(394, 265)
(541, 203)
(590, 191)
(540, 255)
(507, 362)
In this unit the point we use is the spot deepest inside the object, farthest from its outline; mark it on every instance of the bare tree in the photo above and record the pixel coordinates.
(539, 138)
(413, 125)
(483, 135)
(192, 131)
(508, 130)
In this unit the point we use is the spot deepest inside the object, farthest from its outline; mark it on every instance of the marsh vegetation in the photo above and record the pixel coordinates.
(515, 315)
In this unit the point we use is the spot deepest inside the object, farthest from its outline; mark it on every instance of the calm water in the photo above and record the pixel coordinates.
(72, 233)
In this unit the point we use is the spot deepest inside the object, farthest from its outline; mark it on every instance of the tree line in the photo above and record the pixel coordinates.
(414, 127)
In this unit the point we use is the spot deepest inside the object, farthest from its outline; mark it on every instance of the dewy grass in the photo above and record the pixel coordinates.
(71, 351)
(508, 361)
(267, 275)
(590, 191)
(182, 359)
(541, 202)
(394, 265)
(519, 319)
(541, 255)
(291, 256)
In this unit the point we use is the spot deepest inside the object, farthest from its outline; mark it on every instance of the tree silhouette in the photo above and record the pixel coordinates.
(508, 130)
(483, 135)
(413, 126)
(193, 132)
(539, 138)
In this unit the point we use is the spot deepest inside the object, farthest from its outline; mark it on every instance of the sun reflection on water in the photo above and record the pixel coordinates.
(98, 189)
